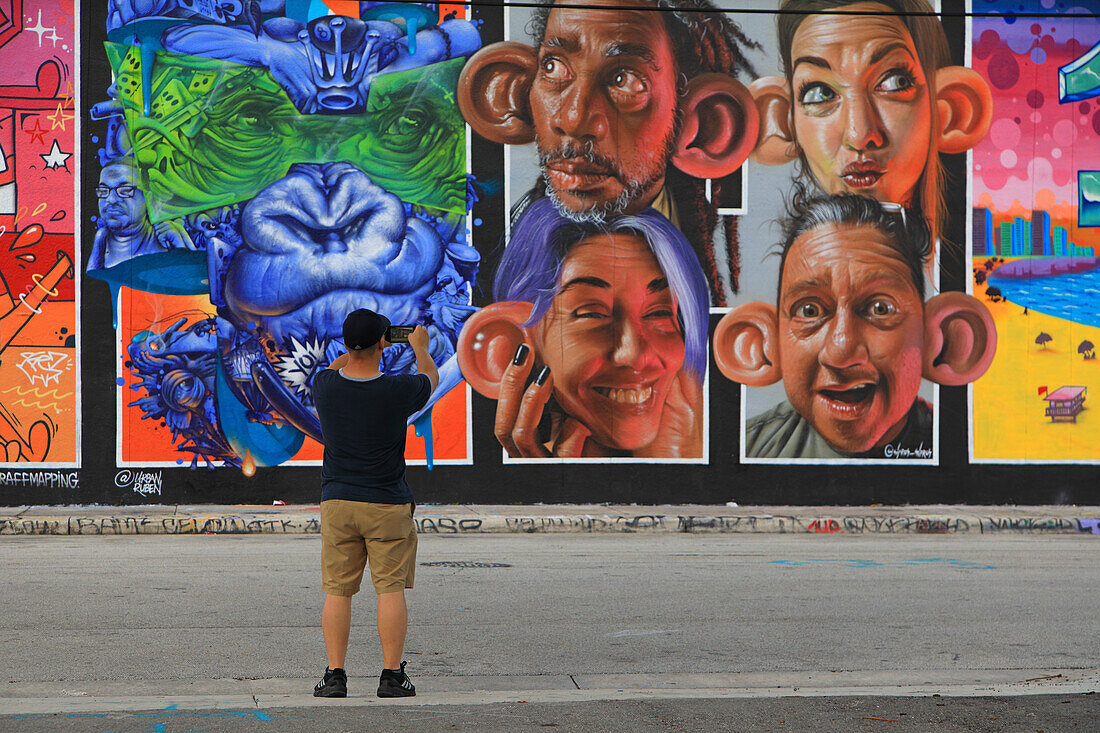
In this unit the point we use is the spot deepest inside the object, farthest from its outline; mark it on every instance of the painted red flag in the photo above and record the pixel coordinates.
(1042, 390)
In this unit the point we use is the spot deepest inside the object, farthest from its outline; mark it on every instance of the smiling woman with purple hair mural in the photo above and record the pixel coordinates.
(615, 318)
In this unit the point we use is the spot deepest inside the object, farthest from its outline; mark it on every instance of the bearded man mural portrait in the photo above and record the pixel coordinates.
(628, 109)
(851, 336)
(612, 321)
(866, 104)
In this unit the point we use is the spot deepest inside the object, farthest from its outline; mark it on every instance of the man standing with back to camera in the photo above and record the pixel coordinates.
(366, 505)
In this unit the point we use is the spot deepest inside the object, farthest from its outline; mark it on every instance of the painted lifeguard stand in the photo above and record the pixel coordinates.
(1065, 403)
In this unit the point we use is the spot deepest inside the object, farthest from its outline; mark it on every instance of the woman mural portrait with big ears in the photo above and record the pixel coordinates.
(601, 329)
(868, 99)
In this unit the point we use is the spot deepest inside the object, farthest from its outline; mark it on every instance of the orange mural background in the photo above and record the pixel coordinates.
(148, 441)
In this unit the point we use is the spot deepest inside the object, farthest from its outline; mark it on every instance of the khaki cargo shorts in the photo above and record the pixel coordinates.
(354, 533)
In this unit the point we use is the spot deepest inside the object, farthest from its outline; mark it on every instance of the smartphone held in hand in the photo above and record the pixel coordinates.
(399, 334)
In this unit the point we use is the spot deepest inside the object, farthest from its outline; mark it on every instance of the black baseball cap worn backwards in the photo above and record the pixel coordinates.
(364, 328)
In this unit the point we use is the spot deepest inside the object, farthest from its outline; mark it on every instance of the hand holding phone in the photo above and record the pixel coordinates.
(399, 334)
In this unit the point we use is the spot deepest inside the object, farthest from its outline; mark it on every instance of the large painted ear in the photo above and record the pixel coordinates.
(494, 89)
(488, 344)
(964, 105)
(775, 143)
(719, 127)
(745, 343)
(960, 339)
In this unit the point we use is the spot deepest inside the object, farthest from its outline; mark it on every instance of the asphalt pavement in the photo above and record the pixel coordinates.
(605, 630)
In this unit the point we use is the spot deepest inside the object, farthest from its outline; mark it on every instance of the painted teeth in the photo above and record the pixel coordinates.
(627, 396)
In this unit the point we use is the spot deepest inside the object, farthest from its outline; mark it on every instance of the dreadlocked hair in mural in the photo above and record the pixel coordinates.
(705, 40)
(531, 266)
(906, 231)
(933, 53)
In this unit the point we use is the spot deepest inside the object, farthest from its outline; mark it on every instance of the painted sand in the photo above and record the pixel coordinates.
(1008, 418)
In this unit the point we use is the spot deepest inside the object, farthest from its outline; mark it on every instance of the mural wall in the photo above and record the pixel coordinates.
(39, 359)
(1035, 237)
(669, 253)
(238, 223)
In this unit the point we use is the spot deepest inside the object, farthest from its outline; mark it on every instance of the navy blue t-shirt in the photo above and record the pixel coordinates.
(364, 422)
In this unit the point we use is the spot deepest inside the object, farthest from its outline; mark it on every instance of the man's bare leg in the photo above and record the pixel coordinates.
(393, 622)
(336, 625)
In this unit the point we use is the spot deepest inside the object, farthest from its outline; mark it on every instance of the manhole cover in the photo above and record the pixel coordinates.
(464, 564)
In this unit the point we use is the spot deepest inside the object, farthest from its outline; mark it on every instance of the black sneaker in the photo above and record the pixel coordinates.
(333, 684)
(395, 683)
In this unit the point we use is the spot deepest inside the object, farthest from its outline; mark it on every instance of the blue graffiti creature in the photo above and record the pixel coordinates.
(317, 244)
(326, 66)
(176, 367)
(323, 241)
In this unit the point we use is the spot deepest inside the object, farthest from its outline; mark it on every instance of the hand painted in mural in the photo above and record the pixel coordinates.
(868, 102)
(628, 109)
(218, 233)
(125, 231)
(612, 320)
(851, 336)
(326, 66)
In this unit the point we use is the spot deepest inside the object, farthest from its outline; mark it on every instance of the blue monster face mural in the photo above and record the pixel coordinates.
(322, 242)
(306, 167)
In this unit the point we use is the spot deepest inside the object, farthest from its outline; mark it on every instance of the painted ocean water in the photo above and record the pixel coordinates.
(1072, 296)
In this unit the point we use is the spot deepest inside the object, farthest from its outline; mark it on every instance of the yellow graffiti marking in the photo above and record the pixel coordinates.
(36, 403)
(59, 118)
(34, 391)
(37, 210)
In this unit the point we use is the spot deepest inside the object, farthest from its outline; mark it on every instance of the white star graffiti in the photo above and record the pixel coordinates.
(41, 29)
(55, 158)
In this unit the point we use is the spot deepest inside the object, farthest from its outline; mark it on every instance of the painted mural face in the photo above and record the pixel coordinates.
(117, 211)
(604, 105)
(850, 335)
(612, 340)
(861, 108)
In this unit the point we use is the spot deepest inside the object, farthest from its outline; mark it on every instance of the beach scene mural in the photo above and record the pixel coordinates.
(1035, 237)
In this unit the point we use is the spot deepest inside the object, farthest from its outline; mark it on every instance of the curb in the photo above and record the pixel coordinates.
(893, 521)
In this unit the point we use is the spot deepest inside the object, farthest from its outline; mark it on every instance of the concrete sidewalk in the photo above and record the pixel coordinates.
(559, 518)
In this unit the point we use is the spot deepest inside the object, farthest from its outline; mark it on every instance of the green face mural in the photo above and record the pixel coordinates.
(220, 132)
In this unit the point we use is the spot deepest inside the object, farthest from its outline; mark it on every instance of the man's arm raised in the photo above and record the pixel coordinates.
(418, 340)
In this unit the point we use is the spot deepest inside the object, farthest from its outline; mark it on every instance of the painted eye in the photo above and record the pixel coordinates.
(554, 69)
(881, 308)
(816, 94)
(628, 82)
(897, 81)
(807, 310)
